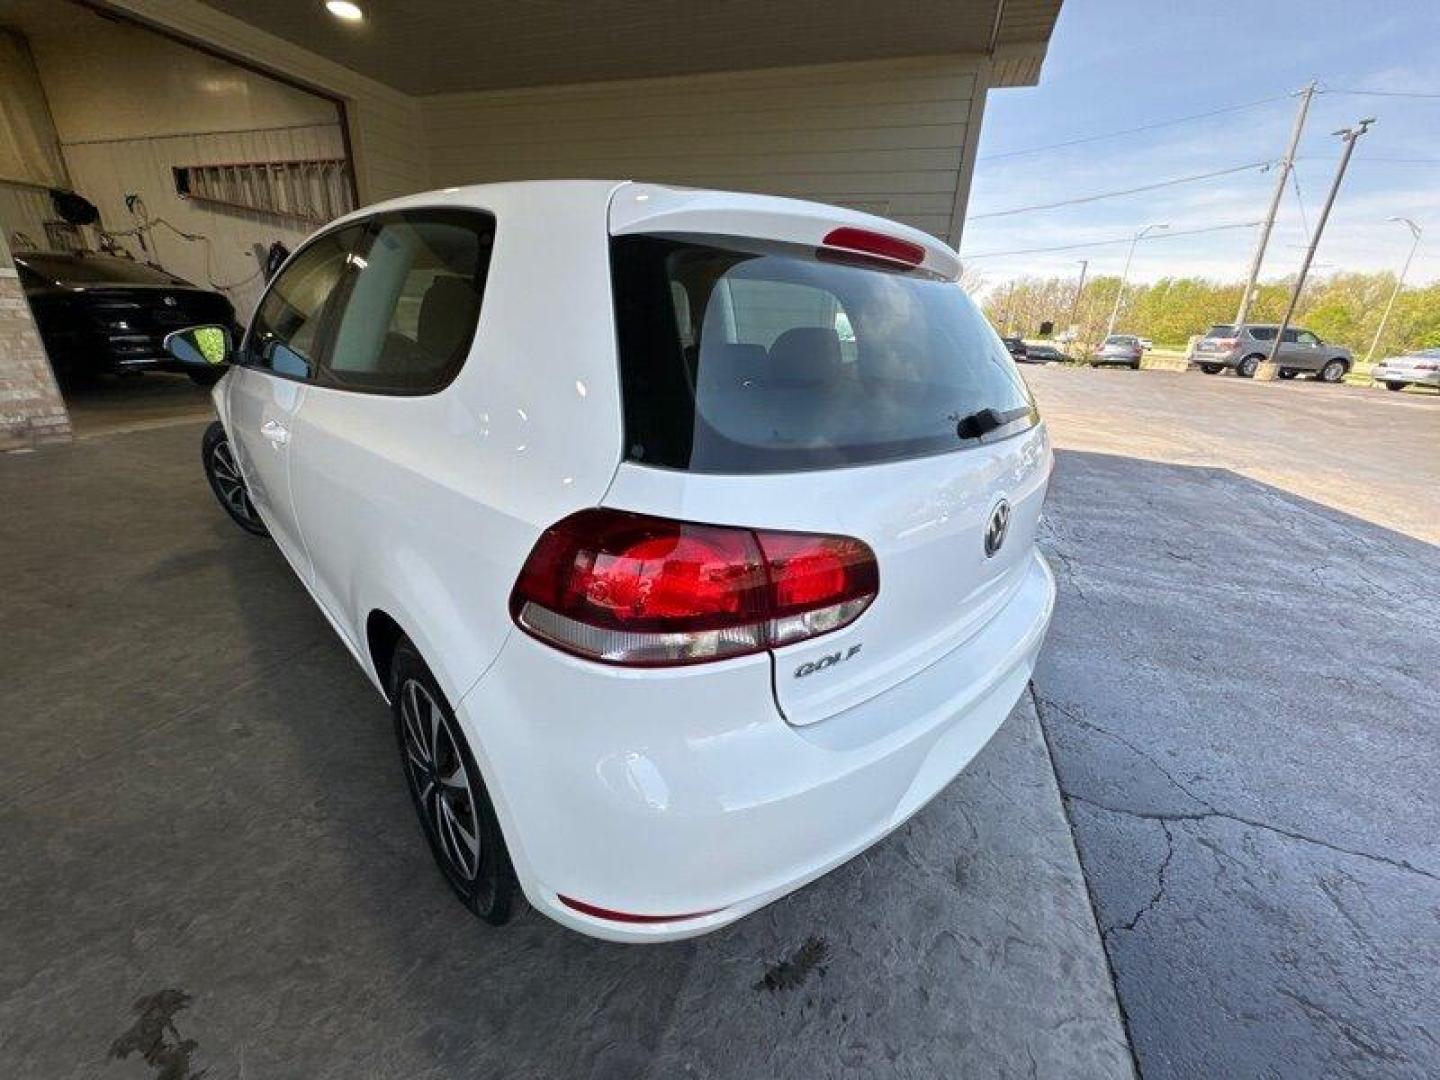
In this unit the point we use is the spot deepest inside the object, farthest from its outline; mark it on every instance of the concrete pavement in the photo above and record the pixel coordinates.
(210, 858)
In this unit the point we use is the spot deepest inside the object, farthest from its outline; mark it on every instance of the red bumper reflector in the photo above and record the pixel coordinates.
(625, 916)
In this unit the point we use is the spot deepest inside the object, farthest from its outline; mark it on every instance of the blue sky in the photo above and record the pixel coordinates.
(1118, 64)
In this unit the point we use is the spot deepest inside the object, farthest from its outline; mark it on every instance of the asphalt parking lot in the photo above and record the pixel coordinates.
(1241, 695)
(211, 863)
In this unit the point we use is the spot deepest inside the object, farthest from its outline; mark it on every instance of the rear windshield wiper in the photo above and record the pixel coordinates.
(978, 424)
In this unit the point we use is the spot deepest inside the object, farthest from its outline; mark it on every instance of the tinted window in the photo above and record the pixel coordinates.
(97, 270)
(285, 334)
(1261, 333)
(1289, 337)
(744, 357)
(411, 310)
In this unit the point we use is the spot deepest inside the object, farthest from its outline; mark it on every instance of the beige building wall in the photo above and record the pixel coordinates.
(385, 132)
(888, 137)
(129, 106)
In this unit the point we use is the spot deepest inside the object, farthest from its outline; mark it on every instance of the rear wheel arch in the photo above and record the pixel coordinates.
(382, 635)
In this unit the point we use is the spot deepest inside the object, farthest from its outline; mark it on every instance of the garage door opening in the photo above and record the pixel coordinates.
(146, 185)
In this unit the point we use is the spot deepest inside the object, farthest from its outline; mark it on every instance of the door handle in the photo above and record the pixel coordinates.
(276, 432)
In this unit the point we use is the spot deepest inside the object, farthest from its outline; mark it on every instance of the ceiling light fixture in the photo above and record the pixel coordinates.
(344, 9)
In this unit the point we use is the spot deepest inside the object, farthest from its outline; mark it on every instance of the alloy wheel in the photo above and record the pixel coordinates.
(439, 780)
(230, 485)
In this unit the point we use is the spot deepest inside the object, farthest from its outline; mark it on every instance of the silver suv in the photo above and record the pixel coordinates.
(1301, 352)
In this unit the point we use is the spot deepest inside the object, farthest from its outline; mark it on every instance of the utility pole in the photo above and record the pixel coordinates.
(1125, 275)
(1286, 164)
(1080, 288)
(1416, 232)
(1271, 368)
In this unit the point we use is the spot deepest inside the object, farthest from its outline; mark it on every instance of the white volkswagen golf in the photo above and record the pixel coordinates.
(689, 535)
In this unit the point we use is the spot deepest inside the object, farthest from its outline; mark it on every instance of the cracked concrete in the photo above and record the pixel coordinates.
(1241, 698)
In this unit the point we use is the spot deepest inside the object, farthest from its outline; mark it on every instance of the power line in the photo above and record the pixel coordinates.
(1127, 191)
(1300, 200)
(1104, 243)
(1368, 158)
(1134, 130)
(1382, 93)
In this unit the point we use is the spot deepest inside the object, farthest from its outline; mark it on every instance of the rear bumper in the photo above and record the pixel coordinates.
(674, 793)
(1380, 373)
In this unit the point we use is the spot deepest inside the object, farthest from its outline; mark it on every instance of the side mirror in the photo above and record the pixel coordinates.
(200, 346)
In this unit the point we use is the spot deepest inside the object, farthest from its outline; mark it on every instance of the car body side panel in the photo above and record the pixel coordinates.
(425, 507)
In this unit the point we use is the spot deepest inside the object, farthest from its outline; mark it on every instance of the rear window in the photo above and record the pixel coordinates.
(1122, 339)
(1221, 330)
(739, 356)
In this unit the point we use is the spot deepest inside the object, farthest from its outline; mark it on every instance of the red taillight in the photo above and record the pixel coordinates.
(630, 589)
(865, 242)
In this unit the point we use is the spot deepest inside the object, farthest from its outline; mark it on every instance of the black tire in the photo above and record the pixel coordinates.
(206, 379)
(448, 792)
(1212, 369)
(1288, 373)
(226, 481)
(1394, 386)
(1246, 368)
(1135, 366)
(1333, 371)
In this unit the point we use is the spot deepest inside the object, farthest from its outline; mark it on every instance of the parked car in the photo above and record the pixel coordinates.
(677, 601)
(100, 314)
(1045, 354)
(1146, 344)
(1017, 348)
(1420, 368)
(1120, 349)
(1301, 352)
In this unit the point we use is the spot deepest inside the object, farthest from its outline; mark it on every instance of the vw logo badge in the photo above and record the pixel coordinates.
(170, 301)
(996, 528)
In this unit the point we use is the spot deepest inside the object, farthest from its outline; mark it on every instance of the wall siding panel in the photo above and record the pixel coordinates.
(886, 137)
(106, 171)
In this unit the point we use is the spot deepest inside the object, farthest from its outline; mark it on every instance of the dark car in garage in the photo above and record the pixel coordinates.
(100, 314)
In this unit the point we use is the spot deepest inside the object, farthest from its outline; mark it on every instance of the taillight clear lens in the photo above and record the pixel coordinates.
(818, 583)
(632, 589)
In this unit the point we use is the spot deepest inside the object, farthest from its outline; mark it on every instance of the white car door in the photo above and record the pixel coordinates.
(267, 388)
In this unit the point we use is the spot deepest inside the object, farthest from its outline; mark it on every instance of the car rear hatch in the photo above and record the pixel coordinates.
(781, 371)
(1219, 340)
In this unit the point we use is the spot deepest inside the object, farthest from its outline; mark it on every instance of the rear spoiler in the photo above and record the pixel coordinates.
(655, 208)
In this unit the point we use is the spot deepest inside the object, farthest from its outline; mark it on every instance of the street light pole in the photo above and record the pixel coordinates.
(1271, 367)
(1080, 288)
(1125, 275)
(1286, 164)
(1416, 232)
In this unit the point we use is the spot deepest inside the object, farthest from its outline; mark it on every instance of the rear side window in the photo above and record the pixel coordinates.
(413, 303)
(746, 357)
(1261, 333)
